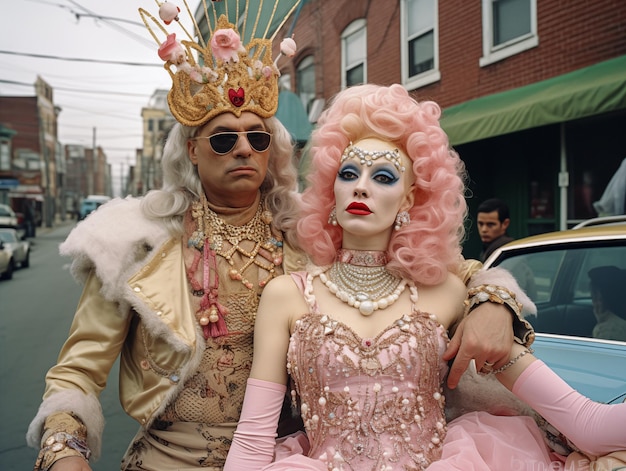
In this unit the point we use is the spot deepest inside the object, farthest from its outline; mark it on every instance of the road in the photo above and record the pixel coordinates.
(36, 310)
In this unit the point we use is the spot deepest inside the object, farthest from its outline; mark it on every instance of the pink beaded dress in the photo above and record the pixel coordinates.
(372, 404)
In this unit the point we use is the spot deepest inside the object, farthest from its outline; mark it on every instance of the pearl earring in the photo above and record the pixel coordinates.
(402, 219)
(332, 217)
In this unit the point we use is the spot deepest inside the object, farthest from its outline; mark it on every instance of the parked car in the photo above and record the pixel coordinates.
(553, 269)
(90, 204)
(7, 265)
(8, 218)
(20, 249)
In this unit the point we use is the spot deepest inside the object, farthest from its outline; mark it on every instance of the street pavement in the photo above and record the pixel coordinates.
(36, 310)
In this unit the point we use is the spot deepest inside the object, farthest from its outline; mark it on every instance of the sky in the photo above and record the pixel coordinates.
(106, 91)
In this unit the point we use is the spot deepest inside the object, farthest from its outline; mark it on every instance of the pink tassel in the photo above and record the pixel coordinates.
(216, 329)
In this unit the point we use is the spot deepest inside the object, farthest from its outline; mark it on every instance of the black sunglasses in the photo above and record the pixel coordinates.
(223, 142)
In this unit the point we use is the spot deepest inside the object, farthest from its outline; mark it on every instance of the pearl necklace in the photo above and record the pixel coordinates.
(364, 287)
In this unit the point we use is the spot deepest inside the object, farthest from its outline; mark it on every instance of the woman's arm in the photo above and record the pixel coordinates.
(254, 440)
(595, 428)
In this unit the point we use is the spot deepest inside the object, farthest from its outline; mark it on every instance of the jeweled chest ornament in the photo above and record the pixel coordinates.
(214, 237)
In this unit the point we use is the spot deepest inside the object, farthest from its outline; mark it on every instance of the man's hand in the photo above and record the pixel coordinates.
(485, 335)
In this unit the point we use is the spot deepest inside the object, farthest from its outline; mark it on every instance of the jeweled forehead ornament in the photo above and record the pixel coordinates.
(367, 157)
(223, 75)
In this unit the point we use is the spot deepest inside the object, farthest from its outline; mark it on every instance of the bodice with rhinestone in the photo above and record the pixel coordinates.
(369, 403)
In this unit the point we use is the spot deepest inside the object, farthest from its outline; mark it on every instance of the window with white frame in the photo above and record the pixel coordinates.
(284, 82)
(419, 42)
(305, 82)
(509, 27)
(354, 54)
(5, 154)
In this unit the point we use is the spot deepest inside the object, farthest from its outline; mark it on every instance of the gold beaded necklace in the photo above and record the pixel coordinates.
(209, 239)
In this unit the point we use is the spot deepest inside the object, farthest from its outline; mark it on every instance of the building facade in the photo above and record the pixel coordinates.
(39, 173)
(533, 92)
(32, 158)
(157, 122)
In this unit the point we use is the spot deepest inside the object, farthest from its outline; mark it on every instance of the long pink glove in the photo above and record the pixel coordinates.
(255, 437)
(595, 428)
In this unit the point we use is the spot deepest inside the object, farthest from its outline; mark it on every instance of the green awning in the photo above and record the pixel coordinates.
(276, 11)
(292, 114)
(593, 90)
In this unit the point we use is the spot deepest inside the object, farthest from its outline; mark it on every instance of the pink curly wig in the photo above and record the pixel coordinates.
(430, 246)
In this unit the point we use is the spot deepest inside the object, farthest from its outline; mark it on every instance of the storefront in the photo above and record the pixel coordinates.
(549, 149)
(28, 200)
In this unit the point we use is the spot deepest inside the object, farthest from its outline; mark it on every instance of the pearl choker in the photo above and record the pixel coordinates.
(360, 280)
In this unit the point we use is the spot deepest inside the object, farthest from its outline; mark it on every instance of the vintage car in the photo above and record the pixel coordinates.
(553, 269)
(7, 264)
(90, 204)
(8, 218)
(19, 249)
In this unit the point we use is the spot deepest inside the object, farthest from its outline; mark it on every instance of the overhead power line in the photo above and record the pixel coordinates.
(108, 20)
(75, 90)
(78, 59)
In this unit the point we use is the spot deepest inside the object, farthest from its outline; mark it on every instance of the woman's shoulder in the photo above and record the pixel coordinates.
(444, 299)
(453, 285)
(283, 286)
(282, 300)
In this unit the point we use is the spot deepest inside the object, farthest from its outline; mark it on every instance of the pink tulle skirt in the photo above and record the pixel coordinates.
(477, 441)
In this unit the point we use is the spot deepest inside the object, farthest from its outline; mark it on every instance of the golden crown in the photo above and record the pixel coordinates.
(222, 75)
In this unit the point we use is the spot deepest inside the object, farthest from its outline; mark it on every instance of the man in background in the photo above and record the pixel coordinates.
(493, 222)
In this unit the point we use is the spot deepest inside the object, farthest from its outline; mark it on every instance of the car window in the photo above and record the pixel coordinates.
(536, 272)
(558, 283)
(5, 237)
(597, 257)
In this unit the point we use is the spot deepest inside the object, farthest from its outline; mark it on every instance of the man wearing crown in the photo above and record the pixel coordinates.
(172, 280)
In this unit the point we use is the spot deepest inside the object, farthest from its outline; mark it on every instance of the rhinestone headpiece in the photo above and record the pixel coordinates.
(222, 75)
(367, 157)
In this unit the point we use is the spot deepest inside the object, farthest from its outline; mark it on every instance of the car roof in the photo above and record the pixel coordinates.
(608, 232)
(97, 198)
(604, 220)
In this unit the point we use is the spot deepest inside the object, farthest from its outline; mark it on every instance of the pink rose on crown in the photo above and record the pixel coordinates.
(171, 50)
(226, 44)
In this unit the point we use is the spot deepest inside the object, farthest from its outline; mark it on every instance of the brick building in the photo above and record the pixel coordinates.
(33, 152)
(40, 171)
(533, 92)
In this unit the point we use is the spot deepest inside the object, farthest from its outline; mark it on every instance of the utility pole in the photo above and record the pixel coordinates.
(122, 190)
(92, 169)
(47, 203)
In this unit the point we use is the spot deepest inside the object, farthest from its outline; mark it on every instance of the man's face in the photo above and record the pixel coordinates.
(231, 179)
(490, 227)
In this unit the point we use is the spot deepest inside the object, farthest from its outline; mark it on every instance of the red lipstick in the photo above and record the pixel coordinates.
(360, 209)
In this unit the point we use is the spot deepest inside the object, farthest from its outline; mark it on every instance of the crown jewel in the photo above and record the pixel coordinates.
(223, 75)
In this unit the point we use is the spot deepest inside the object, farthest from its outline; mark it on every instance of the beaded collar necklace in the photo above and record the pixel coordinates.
(361, 280)
(209, 239)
